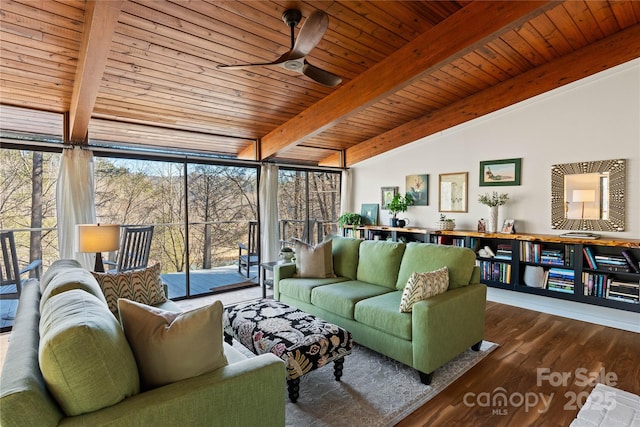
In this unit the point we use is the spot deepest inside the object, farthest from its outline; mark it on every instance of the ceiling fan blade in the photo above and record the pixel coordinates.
(310, 34)
(284, 58)
(321, 76)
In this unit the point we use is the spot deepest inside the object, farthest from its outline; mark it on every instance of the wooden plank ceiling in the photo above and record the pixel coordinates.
(144, 72)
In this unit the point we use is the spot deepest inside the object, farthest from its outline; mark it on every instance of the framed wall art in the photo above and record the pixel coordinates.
(453, 192)
(500, 172)
(369, 213)
(386, 195)
(417, 186)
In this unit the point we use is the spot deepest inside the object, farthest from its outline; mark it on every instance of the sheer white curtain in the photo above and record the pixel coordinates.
(269, 244)
(75, 202)
(345, 192)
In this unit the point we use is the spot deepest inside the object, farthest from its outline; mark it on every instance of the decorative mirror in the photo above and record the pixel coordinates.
(588, 195)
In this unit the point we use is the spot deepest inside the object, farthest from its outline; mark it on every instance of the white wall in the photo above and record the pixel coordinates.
(596, 118)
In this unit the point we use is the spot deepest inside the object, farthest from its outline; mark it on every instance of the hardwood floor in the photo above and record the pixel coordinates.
(545, 368)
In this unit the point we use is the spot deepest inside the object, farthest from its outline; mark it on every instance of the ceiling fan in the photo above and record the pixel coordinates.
(310, 34)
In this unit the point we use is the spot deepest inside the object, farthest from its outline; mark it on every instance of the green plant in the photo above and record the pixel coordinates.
(399, 204)
(350, 218)
(494, 199)
(443, 217)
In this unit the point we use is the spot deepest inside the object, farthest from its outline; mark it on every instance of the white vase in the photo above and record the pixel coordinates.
(492, 225)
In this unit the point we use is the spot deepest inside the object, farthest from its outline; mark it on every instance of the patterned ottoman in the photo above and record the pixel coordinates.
(303, 341)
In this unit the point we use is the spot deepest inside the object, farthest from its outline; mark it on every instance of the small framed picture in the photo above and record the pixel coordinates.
(453, 192)
(417, 187)
(482, 226)
(386, 195)
(369, 213)
(509, 226)
(500, 172)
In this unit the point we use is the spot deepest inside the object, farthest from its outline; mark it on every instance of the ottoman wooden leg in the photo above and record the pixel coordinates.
(337, 368)
(293, 386)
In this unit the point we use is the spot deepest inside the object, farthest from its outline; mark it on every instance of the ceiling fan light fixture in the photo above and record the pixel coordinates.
(294, 65)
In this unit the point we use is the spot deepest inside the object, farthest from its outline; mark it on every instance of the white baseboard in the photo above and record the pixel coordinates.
(620, 319)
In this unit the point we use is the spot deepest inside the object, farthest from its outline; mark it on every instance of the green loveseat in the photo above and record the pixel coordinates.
(246, 392)
(365, 295)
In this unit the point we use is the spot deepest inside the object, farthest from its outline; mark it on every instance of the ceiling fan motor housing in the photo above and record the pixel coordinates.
(291, 17)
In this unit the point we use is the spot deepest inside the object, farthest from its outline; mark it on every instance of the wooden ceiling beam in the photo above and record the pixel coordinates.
(604, 54)
(100, 22)
(471, 27)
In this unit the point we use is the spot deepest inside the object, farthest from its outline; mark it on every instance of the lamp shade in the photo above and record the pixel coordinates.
(584, 196)
(98, 237)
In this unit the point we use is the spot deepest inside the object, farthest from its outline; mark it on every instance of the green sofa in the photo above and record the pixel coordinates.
(246, 392)
(365, 295)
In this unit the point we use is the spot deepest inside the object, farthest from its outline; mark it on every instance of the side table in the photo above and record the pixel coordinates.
(262, 275)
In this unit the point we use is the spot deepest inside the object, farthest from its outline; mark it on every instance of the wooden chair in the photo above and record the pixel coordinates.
(134, 249)
(10, 273)
(248, 254)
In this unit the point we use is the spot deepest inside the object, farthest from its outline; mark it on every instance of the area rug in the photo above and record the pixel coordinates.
(375, 391)
(608, 406)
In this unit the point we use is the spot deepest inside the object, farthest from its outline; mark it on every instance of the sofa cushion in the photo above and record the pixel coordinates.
(300, 288)
(341, 298)
(170, 346)
(346, 251)
(421, 286)
(143, 286)
(422, 257)
(69, 279)
(314, 261)
(57, 267)
(381, 313)
(379, 262)
(84, 356)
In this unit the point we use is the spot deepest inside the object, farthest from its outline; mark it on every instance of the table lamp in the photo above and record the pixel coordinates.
(584, 196)
(98, 238)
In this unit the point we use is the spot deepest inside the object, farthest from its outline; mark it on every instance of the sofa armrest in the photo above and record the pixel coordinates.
(250, 392)
(446, 325)
(281, 271)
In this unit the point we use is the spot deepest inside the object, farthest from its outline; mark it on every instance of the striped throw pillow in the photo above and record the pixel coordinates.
(421, 286)
(143, 286)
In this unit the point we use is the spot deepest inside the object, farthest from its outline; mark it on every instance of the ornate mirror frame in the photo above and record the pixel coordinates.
(616, 170)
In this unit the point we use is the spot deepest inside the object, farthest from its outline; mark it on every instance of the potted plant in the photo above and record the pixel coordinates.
(350, 218)
(398, 204)
(494, 201)
(445, 223)
(287, 254)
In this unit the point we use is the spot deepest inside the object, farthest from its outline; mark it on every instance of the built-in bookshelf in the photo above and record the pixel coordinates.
(604, 272)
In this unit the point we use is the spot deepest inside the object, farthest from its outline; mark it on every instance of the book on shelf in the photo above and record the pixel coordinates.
(560, 288)
(591, 260)
(458, 241)
(635, 266)
(495, 271)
